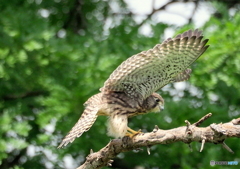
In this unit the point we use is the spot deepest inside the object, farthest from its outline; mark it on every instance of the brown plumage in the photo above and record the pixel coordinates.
(129, 91)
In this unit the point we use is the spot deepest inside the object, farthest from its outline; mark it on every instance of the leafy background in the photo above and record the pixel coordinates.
(55, 54)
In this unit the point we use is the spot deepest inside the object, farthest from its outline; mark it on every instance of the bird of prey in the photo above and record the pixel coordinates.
(130, 89)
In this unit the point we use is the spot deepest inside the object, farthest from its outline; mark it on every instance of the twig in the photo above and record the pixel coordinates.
(202, 146)
(227, 148)
(199, 122)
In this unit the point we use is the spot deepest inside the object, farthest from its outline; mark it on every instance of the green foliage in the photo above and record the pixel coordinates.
(53, 57)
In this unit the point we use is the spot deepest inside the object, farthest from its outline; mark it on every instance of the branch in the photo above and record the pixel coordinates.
(75, 19)
(24, 95)
(215, 133)
(164, 7)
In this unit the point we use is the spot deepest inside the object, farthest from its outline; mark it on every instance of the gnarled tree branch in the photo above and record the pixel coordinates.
(215, 133)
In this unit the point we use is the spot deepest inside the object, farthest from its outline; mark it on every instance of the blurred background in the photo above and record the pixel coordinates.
(55, 54)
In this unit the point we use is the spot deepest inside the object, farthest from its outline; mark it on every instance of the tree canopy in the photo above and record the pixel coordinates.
(55, 54)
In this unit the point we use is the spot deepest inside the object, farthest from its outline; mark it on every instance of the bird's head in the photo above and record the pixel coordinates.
(158, 103)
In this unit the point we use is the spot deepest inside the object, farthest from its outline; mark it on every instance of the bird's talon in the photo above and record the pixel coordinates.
(131, 133)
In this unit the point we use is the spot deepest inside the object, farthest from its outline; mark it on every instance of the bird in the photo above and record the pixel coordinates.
(132, 87)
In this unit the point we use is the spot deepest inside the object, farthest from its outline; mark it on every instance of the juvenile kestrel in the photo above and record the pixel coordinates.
(130, 89)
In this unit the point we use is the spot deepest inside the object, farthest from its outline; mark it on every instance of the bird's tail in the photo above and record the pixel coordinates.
(85, 122)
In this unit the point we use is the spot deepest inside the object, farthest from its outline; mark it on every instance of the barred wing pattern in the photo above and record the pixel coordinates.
(144, 73)
(86, 120)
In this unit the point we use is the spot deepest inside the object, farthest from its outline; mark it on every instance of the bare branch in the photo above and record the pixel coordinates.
(24, 95)
(193, 11)
(203, 142)
(199, 122)
(215, 133)
(227, 148)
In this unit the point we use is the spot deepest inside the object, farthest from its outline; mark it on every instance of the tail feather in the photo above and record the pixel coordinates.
(85, 122)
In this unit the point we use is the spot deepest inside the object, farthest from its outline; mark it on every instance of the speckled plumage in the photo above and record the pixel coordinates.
(129, 90)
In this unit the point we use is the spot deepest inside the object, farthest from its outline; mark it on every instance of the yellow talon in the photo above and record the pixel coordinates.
(131, 133)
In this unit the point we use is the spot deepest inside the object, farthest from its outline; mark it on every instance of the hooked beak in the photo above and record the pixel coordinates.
(161, 107)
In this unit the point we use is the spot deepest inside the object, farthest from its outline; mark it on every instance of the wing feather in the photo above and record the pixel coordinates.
(144, 73)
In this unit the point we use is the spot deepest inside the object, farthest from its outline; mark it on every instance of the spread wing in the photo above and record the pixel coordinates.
(86, 120)
(144, 73)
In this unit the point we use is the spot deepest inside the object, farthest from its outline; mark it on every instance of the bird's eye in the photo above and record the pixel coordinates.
(157, 99)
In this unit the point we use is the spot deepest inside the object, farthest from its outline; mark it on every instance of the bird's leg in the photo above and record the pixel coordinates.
(130, 132)
(133, 131)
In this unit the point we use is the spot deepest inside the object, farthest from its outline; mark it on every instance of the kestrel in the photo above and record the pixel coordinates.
(130, 89)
